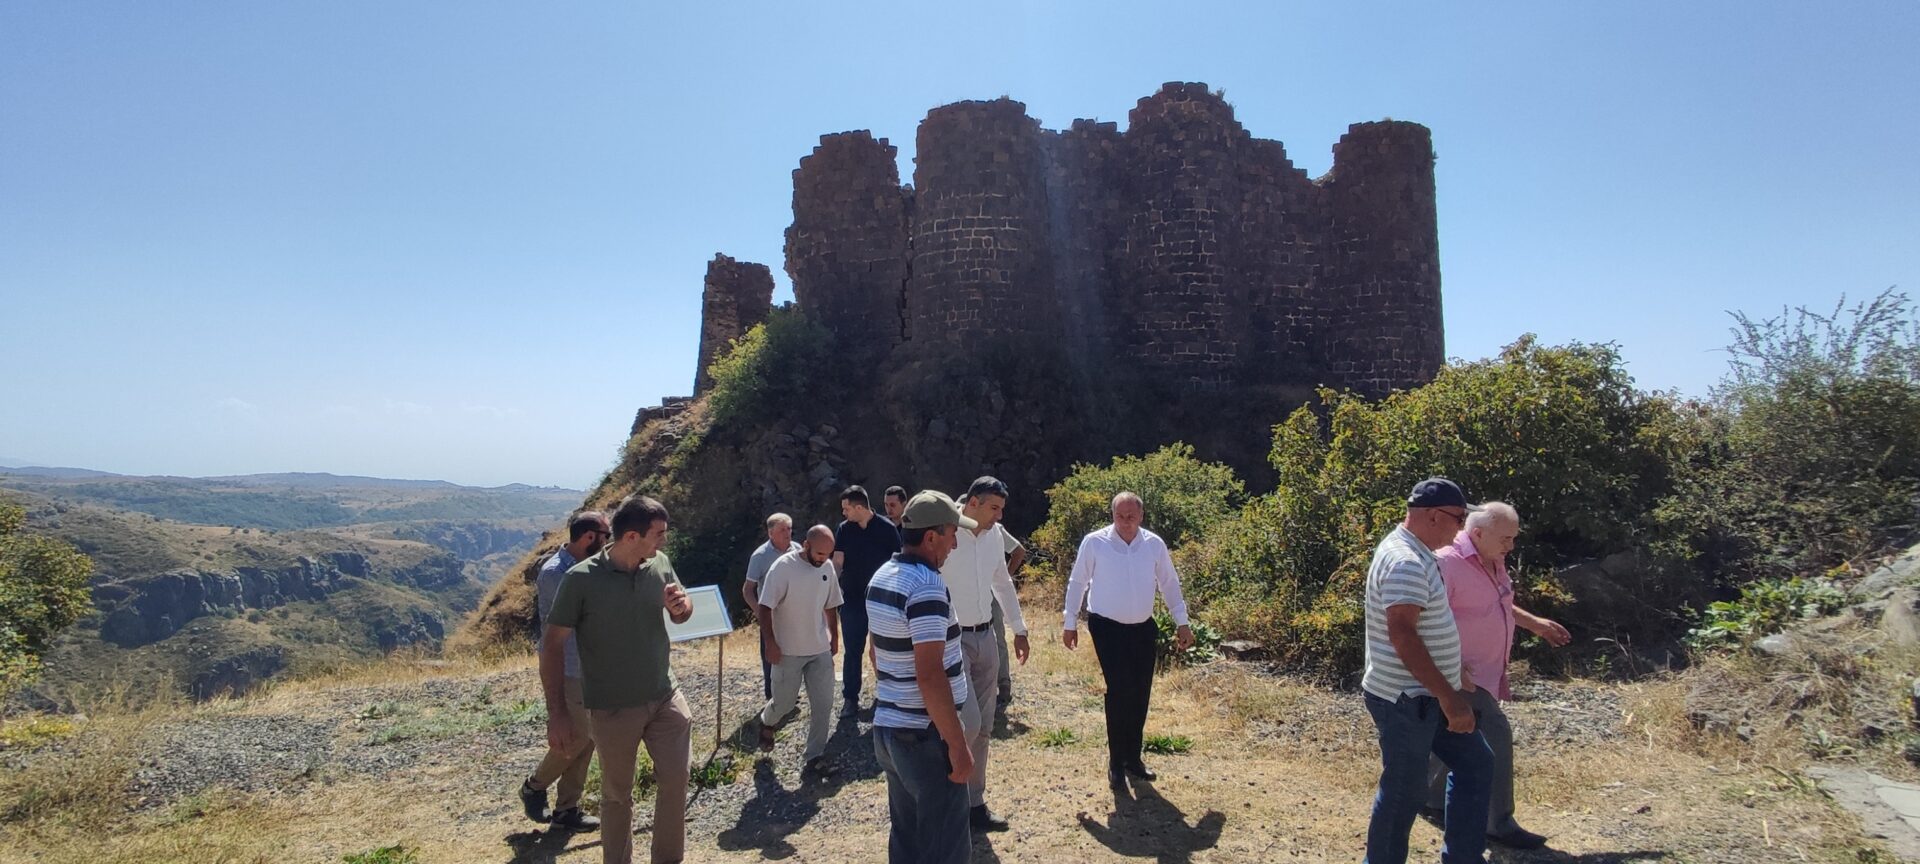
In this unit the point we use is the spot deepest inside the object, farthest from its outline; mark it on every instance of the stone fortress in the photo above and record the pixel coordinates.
(1183, 247)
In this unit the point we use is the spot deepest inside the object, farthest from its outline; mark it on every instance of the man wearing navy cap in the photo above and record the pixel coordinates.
(1416, 688)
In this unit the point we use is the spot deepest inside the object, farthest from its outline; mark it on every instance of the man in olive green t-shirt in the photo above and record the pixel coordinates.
(612, 604)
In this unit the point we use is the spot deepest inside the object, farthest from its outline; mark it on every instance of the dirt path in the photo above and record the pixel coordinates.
(1276, 772)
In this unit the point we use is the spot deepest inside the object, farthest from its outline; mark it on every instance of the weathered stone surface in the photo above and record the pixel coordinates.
(1887, 809)
(737, 296)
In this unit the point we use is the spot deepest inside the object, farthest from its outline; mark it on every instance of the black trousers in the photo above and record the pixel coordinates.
(1126, 653)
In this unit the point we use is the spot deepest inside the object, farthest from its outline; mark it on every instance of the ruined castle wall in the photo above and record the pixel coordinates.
(1086, 210)
(1281, 226)
(847, 247)
(1382, 264)
(981, 266)
(737, 296)
(1186, 315)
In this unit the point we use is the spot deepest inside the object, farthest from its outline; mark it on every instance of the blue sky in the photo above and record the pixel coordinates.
(465, 240)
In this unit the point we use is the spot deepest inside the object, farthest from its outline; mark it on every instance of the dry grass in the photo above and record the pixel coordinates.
(1277, 770)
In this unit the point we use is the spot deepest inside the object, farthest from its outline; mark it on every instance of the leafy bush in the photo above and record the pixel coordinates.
(1559, 432)
(1817, 434)
(43, 588)
(1181, 494)
(1167, 745)
(384, 855)
(770, 366)
(1767, 606)
(1205, 647)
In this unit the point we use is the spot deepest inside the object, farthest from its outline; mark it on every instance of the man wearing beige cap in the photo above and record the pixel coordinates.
(921, 689)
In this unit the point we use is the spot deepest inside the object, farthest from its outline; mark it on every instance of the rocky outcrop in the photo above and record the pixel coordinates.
(470, 541)
(147, 609)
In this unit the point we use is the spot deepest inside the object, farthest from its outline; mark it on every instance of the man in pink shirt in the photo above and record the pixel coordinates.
(1481, 594)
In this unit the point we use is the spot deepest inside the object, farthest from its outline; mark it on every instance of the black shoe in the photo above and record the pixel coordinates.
(983, 819)
(1117, 780)
(1518, 838)
(850, 708)
(573, 819)
(1139, 769)
(818, 766)
(1435, 816)
(534, 802)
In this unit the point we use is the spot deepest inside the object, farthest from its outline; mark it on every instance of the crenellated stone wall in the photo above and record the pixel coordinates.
(736, 297)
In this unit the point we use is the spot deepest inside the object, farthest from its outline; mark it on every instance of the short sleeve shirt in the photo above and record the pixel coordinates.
(907, 605)
(764, 557)
(1404, 572)
(547, 587)
(864, 550)
(800, 594)
(619, 619)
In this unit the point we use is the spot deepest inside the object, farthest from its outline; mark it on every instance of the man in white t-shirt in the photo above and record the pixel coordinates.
(800, 611)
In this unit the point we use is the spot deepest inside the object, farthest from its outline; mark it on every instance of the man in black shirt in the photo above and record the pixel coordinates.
(865, 541)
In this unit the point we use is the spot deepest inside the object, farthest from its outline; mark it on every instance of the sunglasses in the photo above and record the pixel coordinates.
(1458, 518)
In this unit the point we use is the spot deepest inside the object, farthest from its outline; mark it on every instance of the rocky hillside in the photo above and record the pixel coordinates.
(207, 609)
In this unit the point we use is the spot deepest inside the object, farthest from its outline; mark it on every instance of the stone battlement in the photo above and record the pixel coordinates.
(1182, 248)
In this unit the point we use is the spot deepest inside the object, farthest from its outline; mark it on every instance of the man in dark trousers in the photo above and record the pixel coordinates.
(1117, 571)
(864, 542)
(587, 531)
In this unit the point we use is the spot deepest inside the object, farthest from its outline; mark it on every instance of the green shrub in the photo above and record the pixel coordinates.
(1767, 606)
(769, 367)
(43, 588)
(383, 855)
(1205, 647)
(1181, 494)
(1167, 745)
(1056, 738)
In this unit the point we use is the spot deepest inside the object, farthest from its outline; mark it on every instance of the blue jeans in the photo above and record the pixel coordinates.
(853, 641)
(1410, 730)
(928, 812)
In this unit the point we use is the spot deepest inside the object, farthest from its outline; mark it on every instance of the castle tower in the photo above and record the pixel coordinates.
(847, 247)
(737, 296)
(1184, 316)
(980, 261)
(1382, 260)
(1281, 227)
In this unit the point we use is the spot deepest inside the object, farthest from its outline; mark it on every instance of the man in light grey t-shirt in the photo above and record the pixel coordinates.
(800, 633)
(779, 542)
(587, 531)
(1415, 685)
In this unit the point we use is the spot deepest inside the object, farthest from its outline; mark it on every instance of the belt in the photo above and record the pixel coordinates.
(976, 628)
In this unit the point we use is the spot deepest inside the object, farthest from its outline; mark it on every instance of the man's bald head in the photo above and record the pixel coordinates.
(819, 544)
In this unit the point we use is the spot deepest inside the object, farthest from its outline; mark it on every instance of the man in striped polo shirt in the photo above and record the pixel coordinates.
(921, 687)
(1415, 687)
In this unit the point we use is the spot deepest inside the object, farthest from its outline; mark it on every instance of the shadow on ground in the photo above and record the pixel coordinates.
(1145, 825)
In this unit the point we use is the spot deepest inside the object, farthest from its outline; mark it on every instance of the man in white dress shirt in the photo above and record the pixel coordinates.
(1117, 571)
(976, 574)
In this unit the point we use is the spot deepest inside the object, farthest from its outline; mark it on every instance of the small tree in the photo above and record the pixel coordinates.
(43, 588)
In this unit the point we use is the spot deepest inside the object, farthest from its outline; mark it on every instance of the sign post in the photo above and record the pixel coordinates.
(709, 618)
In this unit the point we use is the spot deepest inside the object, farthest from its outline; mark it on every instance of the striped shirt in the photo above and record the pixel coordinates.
(907, 604)
(1405, 572)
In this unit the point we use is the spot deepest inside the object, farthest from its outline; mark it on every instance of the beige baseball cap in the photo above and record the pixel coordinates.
(932, 509)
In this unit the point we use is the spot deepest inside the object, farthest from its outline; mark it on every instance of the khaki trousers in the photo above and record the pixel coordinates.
(664, 726)
(568, 766)
(982, 661)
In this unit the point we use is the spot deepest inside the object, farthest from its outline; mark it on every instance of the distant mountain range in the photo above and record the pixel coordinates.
(300, 479)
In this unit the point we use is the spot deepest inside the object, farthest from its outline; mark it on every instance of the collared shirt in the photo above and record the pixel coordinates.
(764, 557)
(546, 587)
(1482, 602)
(907, 604)
(976, 573)
(799, 594)
(619, 618)
(1118, 579)
(1405, 573)
(863, 550)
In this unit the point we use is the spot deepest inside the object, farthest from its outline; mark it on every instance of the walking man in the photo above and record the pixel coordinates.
(1117, 571)
(920, 690)
(895, 500)
(864, 542)
(976, 575)
(800, 632)
(1480, 593)
(587, 531)
(1415, 687)
(779, 542)
(613, 602)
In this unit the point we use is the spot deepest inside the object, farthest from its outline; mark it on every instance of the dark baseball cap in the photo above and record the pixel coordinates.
(932, 509)
(1439, 492)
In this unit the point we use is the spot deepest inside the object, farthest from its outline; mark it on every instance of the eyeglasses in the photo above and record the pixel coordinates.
(1458, 518)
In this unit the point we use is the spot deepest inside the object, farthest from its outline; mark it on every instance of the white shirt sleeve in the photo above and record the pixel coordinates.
(1078, 583)
(1169, 583)
(1008, 595)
